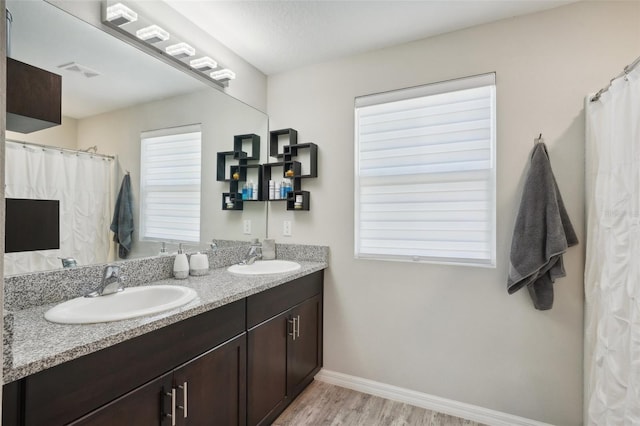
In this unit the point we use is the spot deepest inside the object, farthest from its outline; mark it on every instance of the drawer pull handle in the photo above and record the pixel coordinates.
(293, 322)
(297, 325)
(185, 399)
(172, 394)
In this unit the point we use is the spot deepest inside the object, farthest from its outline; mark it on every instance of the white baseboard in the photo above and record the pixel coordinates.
(423, 400)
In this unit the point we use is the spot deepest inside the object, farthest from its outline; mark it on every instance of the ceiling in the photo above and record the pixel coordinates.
(46, 37)
(274, 36)
(277, 36)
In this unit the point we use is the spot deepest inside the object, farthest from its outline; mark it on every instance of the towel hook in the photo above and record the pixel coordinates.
(538, 140)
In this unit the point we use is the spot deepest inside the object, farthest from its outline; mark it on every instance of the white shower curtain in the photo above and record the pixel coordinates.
(83, 185)
(612, 271)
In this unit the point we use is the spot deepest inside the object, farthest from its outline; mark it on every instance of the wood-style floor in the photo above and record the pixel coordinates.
(325, 404)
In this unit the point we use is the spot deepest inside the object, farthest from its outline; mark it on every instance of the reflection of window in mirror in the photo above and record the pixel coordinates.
(170, 184)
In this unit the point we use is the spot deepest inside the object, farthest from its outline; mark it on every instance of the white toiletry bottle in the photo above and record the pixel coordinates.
(254, 194)
(272, 190)
(181, 265)
(277, 191)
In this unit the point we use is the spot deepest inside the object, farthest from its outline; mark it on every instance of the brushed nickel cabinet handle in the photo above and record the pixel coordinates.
(185, 399)
(297, 323)
(293, 322)
(172, 394)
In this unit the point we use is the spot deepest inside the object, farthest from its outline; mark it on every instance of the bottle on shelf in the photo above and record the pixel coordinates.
(277, 189)
(250, 190)
(254, 191)
(272, 189)
(289, 188)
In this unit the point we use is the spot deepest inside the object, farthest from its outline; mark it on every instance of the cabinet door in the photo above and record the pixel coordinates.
(12, 403)
(148, 405)
(211, 389)
(304, 352)
(267, 369)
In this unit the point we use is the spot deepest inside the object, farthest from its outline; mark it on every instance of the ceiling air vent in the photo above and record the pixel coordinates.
(81, 69)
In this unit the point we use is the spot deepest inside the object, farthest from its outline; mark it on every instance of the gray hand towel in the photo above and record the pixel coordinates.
(122, 223)
(542, 233)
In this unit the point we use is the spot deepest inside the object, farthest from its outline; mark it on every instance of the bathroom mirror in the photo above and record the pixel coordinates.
(132, 93)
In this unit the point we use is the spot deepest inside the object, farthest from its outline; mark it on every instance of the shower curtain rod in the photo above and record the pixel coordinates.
(57, 148)
(624, 72)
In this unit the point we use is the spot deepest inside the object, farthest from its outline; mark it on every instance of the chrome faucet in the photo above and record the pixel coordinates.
(254, 253)
(111, 282)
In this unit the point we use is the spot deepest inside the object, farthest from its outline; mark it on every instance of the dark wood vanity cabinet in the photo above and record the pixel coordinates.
(33, 98)
(239, 364)
(207, 390)
(212, 388)
(285, 350)
(129, 375)
(144, 406)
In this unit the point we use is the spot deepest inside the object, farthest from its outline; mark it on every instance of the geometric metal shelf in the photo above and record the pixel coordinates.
(246, 149)
(250, 142)
(274, 138)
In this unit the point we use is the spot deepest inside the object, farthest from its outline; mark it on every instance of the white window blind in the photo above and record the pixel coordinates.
(425, 173)
(170, 184)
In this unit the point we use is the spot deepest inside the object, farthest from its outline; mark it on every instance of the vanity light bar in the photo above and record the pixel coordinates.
(203, 64)
(119, 14)
(180, 50)
(154, 39)
(223, 74)
(152, 34)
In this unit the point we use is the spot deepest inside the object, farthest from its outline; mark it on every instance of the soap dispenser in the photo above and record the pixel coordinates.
(181, 264)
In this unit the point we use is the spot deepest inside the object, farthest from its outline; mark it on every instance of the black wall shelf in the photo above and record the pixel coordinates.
(292, 151)
(303, 196)
(240, 141)
(296, 161)
(292, 169)
(239, 173)
(276, 135)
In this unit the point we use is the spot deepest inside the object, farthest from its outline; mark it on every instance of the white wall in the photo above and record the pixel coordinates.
(62, 136)
(221, 117)
(454, 331)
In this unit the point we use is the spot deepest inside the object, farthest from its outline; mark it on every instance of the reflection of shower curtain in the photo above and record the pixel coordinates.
(82, 183)
(612, 272)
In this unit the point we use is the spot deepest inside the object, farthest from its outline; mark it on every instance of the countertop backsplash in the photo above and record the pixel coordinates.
(41, 288)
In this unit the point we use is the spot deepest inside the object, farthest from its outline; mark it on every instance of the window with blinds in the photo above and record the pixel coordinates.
(170, 184)
(425, 173)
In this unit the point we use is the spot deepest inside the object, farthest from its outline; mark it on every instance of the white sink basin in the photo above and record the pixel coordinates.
(261, 267)
(130, 303)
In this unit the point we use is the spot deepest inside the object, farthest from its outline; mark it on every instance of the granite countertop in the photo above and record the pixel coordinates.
(39, 344)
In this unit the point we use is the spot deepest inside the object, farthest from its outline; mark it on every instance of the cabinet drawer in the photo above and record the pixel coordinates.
(262, 306)
(66, 392)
